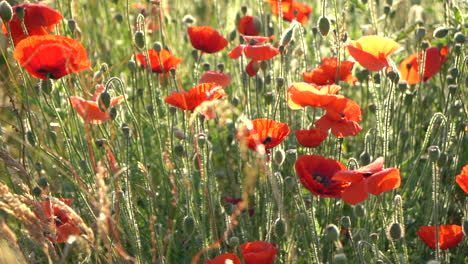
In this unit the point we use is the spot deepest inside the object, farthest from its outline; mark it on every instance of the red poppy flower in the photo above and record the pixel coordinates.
(372, 178)
(206, 39)
(252, 68)
(462, 179)
(449, 236)
(194, 97)
(161, 62)
(257, 40)
(372, 51)
(311, 138)
(266, 132)
(249, 25)
(226, 258)
(326, 72)
(89, 109)
(300, 95)
(342, 117)
(59, 219)
(39, 19)
(258, 252)
(291, 10)
(51, 56)
(220, 78)
(316, 172)
(409, 67)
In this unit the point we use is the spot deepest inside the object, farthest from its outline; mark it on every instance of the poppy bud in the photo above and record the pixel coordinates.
(72, 25)
(332, 232)
(206, 66)
(172, 109)
(442, 159)
(172, 71)
(395, 231)
(340, 258)
(281, 49)
(31, 138)
(455, 107)
(287, 36)
(131, 64)
(263, 65)
(104, 101)
(373, 237)
(235, 101)
(450, 79)
(178, 133)
(269, 97)
(6, 11)
(179, 150)
(188, 19)
(19, 11)
(139, 39)
(420, 33)
(346, 221)
(201, 139)
(100, 142)
(425, 45)
(188, 225)
(372, 108)
(452, 88)
(229, 208)
(279, 82)
(324, 25)
(460, 38)
(377, 78)
(393, 76)
(233, 241)
(220, 67)
(268, 78)
(244, 9)
(125, 130)
(454, 72)
(42, 182)
(386, 10)
(315, 31)
(280, 228)
(157, 46)
(457, 49)
(402, 86)
(36, 191)
(359, 211)
(46, 86)
(362, 75)
(194, 54)
(113, 113)
(279, 156)
(232, 35)
(119, 17)
(465, 227)
(440, 32)
(434, 153)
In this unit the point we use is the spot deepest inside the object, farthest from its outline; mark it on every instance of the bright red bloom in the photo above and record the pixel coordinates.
(226, 258)
(252, 68)
(196, 96)
(326, 73)
(257, 40)
(342, 117)
(462, 179)
(206, 39)
(89, 109)
(372, 51)
(300, 95)
(220, 78)
(449, 236)
(289, 8)
(59, 219)
(266, 132)
(409, 67)
(249, 25)
(372, 178)
(311, 138)
(254, 52)
(39, 19)
(316, 172)
(258, 252)
(161, 62)
(51, 56)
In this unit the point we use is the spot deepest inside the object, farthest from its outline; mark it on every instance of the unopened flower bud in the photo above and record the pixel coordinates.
(188, 225)
(179, 150)
(157, 46)
(279, 156)
(420, 33)
(6, 11)
(425, 45)
(332, 232)
(434, 153)
(460, 38)
(139, 39)
(440, 32)
(31, 138)
(395, 231)
(72, 25)
(324, 25)
(178, 133)
(280, 228)
(233, 241)
(19, 11)
(104, 101)
(42, 182)
(386, 10)
(131, 64)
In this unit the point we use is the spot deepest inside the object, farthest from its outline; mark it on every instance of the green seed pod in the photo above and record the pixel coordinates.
(194, 54)
(340, 258)
(233, 241)
(457, 48)
(131, 64)
(235, 101)
(97, 78)
(372, 108)
(72, 25)
(395, 231)
(19, 11)
(6, 11)
(100, 142)
(113, 113)
(36, 191)
(452, 88)
(269, 97)
(279, 156)
(244, 9)
(188, 225)
(323, 25)
(172, 71)
(157, 46)
(188, 19)
(279, 82)
(201, 139)
(460, 38)
(172, 109)
(139, 39)
(346, 221)
(450, 79)
(386, 10)
(179, 150)
(440, 32)
(420, 33)
(125, 130)
(206, 66)
(46, 86)
(42, 182)
(118, 17)
(454, 72)
(332, 233)
(31, 138)
(377, 78)
(434, 153)
(280, 228)
(393, 76)
(287, 36)
(220, 67)
(359, 211)
(363, 75)
(104, 101)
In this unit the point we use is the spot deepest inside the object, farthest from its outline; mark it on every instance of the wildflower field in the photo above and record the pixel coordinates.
(229, 131)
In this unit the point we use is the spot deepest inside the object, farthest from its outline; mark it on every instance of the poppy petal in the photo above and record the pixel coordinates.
(65, 231)
(372, 51)
(252, 68)
(462, 179)
(220, 78)
(449, 236)
(249, 25)
(237, 51)
(355, 193)
(300, 95)
(311, 138)
(226, 258)
(383, 181)
(260, 52)
(194, 97)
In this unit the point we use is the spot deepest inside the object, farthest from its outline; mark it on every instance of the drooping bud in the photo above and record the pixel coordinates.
(157, 46)
(178, 133)
(287, 36)
(6, 11)
(434, 153)
(139, 39)
(395, 231)
(104, 101)
(324, 25)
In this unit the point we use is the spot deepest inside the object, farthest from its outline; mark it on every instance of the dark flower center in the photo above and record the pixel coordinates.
(321, 178)
(267, 140)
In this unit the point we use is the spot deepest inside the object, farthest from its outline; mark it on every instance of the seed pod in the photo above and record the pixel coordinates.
(139, 39)
(279, 156)
(269, 97)
(279, 82)
(377, 78)
(179, 150)
(104, 101)
(340, 258)
(100, 142)
(188, 225)
(46, 86)
(31, 138)
(420, 33)
(440, 32)
(442, 159)
(454, 72)
(402, 86)
(125, 130)
(434, 153)
(157, 46)
(452, 88)
(206, 66)
(395, 231)
(178, 133)
(460, 38)
(131, 64)
(188, 19)
(280, 228)
(36, 191)
(425, 45)
(118, 17)
(220, 67)
(113, 113)
(42, 182)
(6, 11)
(332, 232)
(233, 241)
(19, 11)
(324, 25)
(386, 10)
(72, 25)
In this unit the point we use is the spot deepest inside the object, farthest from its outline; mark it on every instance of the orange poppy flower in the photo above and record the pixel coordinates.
(326, 72)
(258, 252)
(59, 219)
(311, 138)
(372, 51)
(226, 258)
(89, 109)
(161, 62)
(206, 39)
(449, 236)
(462, 179)
(291, 10)
(51, 56)
(249, 25)
(342, 117)
(220, 78)
(316, 172)
(266, 132)
(300, 95)
(39, 19)
(196, 96)
(409, 67)
(372, 178)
